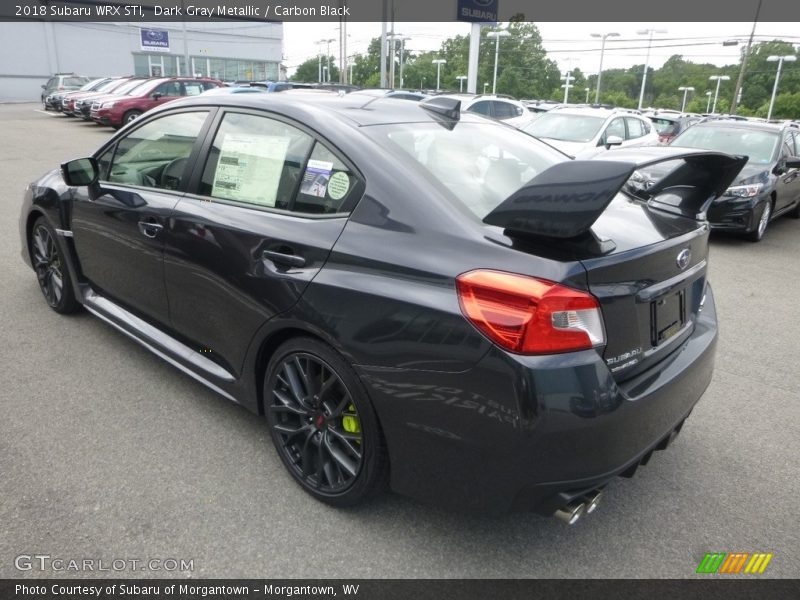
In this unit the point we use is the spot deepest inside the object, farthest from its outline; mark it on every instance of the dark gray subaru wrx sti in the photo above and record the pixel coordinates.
(409, 294)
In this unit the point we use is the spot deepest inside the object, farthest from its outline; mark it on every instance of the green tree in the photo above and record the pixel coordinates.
(308, 71)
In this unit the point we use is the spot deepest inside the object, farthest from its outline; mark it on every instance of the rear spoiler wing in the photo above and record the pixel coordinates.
(564, 201)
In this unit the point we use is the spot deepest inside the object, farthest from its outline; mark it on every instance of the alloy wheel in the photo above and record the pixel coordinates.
(764, 220)
(316, 424)
(48, 266)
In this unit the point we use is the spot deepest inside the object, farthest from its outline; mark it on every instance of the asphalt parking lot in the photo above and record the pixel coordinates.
(107, 452)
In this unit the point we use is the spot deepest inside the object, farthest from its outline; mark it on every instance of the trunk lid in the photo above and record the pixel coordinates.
(644, 249)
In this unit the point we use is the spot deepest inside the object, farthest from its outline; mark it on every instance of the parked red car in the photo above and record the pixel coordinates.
(122, 109)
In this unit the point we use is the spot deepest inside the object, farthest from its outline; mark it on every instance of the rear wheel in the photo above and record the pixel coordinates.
(323, 424)
(51, 269)
(763, 221)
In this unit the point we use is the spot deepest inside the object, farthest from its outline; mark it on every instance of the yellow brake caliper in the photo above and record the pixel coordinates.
(350, 422)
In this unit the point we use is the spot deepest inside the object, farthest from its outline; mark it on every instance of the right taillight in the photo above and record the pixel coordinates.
(527, 315)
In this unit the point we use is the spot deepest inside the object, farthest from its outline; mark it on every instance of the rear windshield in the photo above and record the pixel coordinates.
(665, 126)
(758, 145)
(479, 164)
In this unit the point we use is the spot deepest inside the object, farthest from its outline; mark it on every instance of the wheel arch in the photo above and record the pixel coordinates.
(270, 343)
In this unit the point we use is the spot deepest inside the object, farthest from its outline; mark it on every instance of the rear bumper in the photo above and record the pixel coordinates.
(530, 433)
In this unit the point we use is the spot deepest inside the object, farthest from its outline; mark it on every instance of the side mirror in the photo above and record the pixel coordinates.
(793, 162)
(44, 87)
(157, 95)
(80, 172)
(613, 140)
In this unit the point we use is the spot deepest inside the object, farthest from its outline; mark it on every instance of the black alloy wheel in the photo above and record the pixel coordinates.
(322, 423)
(51, 269)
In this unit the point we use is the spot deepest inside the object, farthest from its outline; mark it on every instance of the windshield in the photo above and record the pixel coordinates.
(758, 145)
(142, 87)
(479, 164)
(565, 127)
(667, 126)
(124, 88)
(74, 81)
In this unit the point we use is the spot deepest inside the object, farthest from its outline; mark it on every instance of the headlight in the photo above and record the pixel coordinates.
(744, 191)
(107, 104)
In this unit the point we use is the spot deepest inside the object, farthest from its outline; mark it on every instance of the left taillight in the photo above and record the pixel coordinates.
(528, 315)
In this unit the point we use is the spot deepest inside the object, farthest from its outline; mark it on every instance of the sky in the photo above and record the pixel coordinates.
(569, 44)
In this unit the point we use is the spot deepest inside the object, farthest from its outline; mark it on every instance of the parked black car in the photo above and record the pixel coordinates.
(767, 187)
(407, 292)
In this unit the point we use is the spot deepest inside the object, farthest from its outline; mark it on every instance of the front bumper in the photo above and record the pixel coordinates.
(735, 214)
(529, 433)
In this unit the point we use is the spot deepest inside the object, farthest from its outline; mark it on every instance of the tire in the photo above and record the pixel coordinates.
(763, 221)
(323, 424)
(129, 116)
(52, 270)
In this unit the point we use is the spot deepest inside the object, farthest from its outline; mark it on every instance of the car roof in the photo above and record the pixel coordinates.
(354, 109)
(737, 124)
(596, 111)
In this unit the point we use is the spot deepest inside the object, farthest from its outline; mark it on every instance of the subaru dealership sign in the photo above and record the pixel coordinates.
(477, 11)
(154, 40)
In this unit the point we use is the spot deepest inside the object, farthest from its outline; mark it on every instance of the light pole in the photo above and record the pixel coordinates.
(329, 57)
(647, 58)
(779, 60)
(708, 104)
(438, 62)
(403, 41)
(496, 35)
(603, 36)
(587, 94)
(567, 78)
(718, 79)
(685, 90)
(461, 79)
(324, 73)
(485, 85)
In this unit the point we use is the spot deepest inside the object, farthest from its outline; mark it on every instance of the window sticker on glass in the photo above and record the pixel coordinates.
(339, 185)
(249, 168)
(315, 179)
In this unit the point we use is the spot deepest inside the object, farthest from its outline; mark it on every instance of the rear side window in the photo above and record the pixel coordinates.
(265, 162)
(193, 88)
(482, 108)
(504, 110)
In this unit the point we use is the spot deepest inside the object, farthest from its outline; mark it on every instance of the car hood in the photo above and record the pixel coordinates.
(571, 148)
(753, 174)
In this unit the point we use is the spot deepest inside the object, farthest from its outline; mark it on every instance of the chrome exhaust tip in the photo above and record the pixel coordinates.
(592, 501)
(570, 513)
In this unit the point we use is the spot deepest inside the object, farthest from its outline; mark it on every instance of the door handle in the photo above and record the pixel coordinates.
(150, 229)
(281, 258)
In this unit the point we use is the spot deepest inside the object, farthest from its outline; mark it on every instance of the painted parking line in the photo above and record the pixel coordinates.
(44, 112)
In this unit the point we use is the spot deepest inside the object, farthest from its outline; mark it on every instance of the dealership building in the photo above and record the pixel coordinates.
(230, 51)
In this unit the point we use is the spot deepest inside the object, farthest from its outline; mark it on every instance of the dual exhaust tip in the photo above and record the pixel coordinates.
(572, 512)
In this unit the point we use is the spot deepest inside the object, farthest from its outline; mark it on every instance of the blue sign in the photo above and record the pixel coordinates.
(154, 40)
(477, 11)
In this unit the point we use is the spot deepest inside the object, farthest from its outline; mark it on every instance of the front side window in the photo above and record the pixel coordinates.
(155, 154)
(617, 128)
(170, 88)
(635, 129)
(504, 110)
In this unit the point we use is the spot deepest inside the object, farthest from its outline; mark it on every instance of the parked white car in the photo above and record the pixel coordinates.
(501, 108)
(584, 132)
